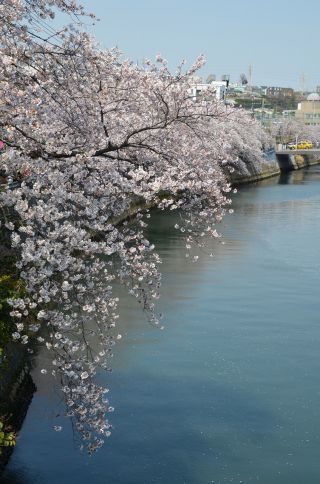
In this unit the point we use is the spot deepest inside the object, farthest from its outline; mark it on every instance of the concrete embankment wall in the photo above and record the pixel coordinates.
(275, 164)
(268, 169)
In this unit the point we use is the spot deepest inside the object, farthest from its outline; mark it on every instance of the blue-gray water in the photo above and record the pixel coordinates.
(229, 392)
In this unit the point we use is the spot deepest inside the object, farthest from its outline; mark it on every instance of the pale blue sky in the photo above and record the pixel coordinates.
(279, 38)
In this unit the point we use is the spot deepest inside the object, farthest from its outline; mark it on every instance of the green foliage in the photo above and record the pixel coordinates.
(10, 287)
(7, 439)
(249, 103)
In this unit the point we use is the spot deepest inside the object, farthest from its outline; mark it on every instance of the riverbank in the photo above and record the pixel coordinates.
(268, 170)
(275, 164)
(16, 385)
(16, 389)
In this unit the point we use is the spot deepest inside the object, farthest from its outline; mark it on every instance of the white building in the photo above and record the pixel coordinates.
(218, 88)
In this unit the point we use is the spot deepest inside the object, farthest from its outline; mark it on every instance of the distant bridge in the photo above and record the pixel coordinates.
(294, 159)
(299, 152)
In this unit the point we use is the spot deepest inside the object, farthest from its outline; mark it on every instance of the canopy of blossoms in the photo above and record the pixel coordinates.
(89, 134)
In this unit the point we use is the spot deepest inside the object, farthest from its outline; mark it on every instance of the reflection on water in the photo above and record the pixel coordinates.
(311, 174)
(229, 391)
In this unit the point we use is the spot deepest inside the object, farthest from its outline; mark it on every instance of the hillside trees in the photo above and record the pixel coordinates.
(88, 133)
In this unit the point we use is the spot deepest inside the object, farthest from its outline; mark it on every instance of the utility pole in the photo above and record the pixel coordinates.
(250, 75)
(302, 82)
(262, 111)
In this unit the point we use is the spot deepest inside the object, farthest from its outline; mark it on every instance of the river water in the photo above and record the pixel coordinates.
(229, 392)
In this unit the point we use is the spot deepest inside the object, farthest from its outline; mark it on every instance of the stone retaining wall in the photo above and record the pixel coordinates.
(268, 169)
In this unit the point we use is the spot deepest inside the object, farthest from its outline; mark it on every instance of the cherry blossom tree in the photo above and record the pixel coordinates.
(88, 135)
(287, 130)
(293, 130)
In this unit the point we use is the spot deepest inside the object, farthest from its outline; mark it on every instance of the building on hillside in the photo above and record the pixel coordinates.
(279, 92)
(309, 111)
(218, 88)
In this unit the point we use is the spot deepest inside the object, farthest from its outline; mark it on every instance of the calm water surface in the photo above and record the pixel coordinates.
(229, 392)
